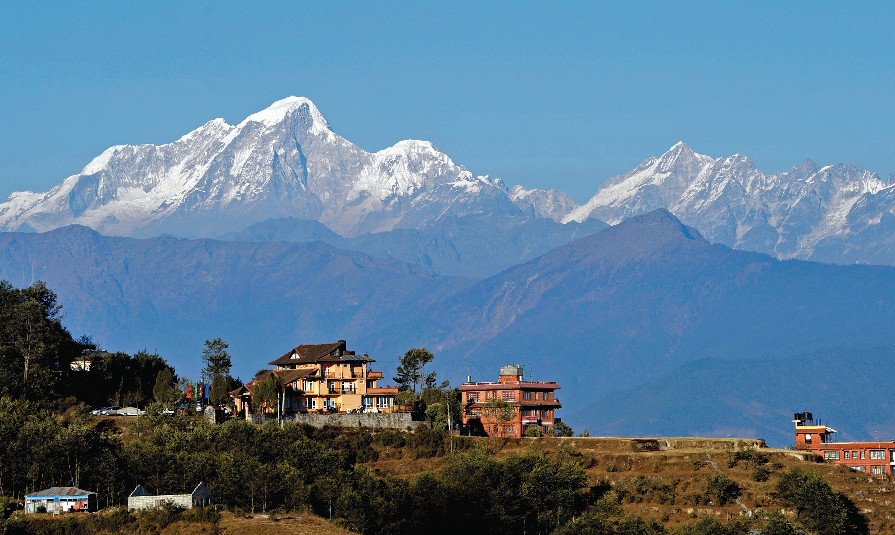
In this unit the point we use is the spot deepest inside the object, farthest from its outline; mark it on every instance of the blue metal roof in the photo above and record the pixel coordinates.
(59, 491)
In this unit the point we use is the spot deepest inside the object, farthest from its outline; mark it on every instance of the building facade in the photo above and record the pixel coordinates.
(533, 403)
(875, 458)
(322, 378)
(139, 499)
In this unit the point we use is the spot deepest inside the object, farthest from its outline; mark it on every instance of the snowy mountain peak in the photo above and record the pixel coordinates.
(283, 161)
(100, 162)
(279, 110)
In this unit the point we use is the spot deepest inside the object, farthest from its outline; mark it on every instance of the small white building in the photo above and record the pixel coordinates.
(140, 499)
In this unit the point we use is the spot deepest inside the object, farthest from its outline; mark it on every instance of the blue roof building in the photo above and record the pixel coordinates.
(61, 500)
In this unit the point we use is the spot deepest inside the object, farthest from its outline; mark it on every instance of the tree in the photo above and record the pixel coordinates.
(562, 429)
(216, 359)
(267, 393)
(411, 370)
(35, 349)
(405, 398)
(164, 390)
(501, 412)
(219, 394)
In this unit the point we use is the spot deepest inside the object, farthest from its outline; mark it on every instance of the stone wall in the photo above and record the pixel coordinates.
(399, 421)
(152, 502)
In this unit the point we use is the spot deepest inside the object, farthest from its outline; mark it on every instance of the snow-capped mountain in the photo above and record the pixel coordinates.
(835, 213)
(284, 161)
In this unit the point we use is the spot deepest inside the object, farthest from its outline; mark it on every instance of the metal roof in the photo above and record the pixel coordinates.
(61, 491)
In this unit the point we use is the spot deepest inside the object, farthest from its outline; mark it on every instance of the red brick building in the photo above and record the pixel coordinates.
(533, 404)
(876, 458)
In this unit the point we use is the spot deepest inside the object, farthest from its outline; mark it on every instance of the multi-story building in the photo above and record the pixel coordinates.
(533, 404)
(322, 377)
(876, 458)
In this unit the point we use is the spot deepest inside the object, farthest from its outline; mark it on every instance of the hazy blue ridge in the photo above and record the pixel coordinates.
(845, 388)
(471, 246)
(614, 309)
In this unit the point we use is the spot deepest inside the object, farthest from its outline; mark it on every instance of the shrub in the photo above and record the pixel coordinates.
(427, 443)
(6, 505)
(818, 507)
(533, 431)
(721, 489)
(389, 438)
(562, 429)
(760, 473)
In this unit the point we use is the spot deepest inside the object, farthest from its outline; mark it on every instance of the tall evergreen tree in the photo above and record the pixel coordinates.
(216, 359)
(411, 370)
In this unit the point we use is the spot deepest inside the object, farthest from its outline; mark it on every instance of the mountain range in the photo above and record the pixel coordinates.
(615, 309)
(277, 231)
(285, 164)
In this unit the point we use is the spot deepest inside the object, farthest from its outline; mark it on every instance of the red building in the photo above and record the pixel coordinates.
(875, 458)
(533, 404)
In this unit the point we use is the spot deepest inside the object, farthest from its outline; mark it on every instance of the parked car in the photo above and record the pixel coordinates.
(106, 411)
(130, 411)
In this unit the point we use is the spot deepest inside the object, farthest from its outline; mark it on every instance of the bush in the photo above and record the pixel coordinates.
(533, 431)
(6, 505)
(818, 507)
(562, 429)
(760, 473)
(427, 443)
(721, 489)
(389, 438)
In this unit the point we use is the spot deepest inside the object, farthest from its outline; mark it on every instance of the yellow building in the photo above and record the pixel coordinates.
(322, 378)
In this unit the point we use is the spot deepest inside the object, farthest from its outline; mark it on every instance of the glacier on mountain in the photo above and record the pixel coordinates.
(284, 161)
(835, 213)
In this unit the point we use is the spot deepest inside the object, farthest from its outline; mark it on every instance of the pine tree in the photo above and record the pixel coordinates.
(216, 359)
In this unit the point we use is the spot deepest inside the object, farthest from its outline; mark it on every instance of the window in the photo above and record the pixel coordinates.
(312, 403)
(508, 396)
(368, 401)
(475, 412)
(877, 454)
(509, 430)
(807, 439)
(287, 403)
(307, 385)
(831, 455)
(863, 453)
(537, 395)
(383, 401)
(846, 455)
(526, 396)
(545, 414)
(877, 470)
(332, 386)
(526, 412)
(472, 397)
(854, 455)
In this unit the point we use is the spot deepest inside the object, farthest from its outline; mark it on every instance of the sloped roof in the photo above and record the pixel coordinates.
(288, 376)
(314, 353)
(139, 491)
(61, 491)
(309, 353)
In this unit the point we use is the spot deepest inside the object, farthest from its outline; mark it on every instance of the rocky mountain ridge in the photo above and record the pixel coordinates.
(834, 213)
(284, 161)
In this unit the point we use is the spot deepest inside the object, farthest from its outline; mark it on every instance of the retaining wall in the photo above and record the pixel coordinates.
(394, 420)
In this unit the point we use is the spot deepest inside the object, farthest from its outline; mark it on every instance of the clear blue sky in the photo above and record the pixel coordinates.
(560, 95)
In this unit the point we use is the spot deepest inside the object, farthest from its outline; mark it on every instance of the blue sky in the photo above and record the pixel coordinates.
(560, 95)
